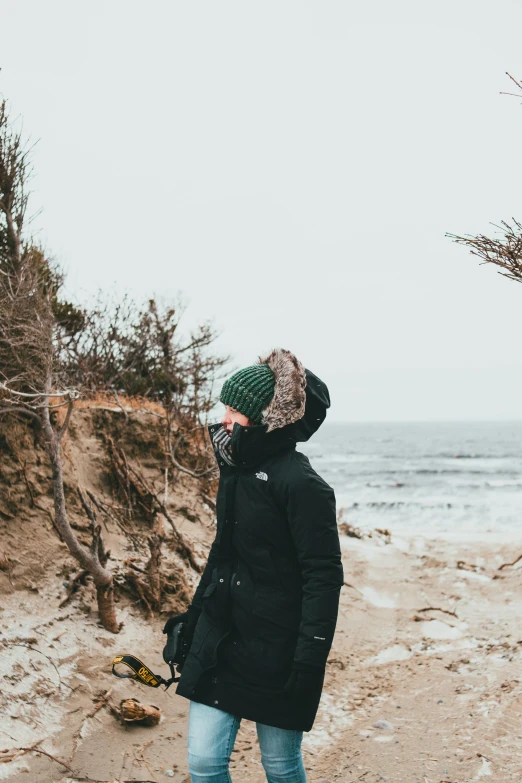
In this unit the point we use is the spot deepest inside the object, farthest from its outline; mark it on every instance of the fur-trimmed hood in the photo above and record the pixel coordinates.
(288, 403)
(300, 400)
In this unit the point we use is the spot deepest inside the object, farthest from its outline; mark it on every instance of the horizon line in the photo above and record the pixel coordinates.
(424, 421)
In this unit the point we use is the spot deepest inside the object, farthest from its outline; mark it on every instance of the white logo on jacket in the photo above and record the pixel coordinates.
(262, 476)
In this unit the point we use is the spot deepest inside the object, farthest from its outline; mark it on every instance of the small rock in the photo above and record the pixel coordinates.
(383, 724)
(169, 773)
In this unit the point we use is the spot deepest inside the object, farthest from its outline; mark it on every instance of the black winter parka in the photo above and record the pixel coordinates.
(270, 591)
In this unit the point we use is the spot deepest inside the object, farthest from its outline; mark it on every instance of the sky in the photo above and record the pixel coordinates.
(291, 168)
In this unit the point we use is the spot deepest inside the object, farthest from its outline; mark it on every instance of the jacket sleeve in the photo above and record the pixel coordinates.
(313, 525)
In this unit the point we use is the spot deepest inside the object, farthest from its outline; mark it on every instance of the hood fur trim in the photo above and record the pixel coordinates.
(288, 403)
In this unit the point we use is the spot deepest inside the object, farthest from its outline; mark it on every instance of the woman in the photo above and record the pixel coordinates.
(262, 619)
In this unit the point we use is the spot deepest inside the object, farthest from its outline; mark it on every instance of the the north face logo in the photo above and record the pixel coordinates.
(262, 476)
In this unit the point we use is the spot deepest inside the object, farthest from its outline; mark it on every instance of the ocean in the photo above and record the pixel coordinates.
(426, 478)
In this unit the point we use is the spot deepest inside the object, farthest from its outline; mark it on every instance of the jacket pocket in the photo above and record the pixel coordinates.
(201, 633)
(209, 590)
(212, 585)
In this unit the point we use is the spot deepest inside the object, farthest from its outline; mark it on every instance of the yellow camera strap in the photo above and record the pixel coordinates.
(140, 672)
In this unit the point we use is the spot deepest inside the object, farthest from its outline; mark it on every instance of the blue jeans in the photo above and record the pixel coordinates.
(211, 737)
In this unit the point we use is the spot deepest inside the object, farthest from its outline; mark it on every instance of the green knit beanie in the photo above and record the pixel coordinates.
(249, 391)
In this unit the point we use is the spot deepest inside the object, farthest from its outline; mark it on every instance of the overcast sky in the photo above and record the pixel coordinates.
(291, 167)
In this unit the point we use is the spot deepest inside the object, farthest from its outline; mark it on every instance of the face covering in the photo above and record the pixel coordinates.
(221, 441)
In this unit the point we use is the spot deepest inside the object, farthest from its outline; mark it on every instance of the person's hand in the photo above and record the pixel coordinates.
(175, 620)
(303, 679)
(189, 619)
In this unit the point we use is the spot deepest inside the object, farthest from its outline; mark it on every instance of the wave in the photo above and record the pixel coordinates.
(401, 471)
(450, 455)
(456, 472)
(387, 485)
(504, 482)
(357, 456)
(458, 485)
(392, 504)
(409, 476)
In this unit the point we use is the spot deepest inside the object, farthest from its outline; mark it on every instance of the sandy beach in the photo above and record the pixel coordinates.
(424, 681)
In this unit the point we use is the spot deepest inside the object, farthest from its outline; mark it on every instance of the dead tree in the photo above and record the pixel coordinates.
(27, 356)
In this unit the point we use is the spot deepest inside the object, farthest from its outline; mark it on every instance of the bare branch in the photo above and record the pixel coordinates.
(71, 394)
(190, 472)
(504, 252)
(518, 84)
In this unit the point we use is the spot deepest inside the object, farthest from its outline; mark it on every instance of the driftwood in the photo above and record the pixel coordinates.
(437, 609)
(418, 618)
(507, 565)
(463, 566)
(337, 662)
(346, 529)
